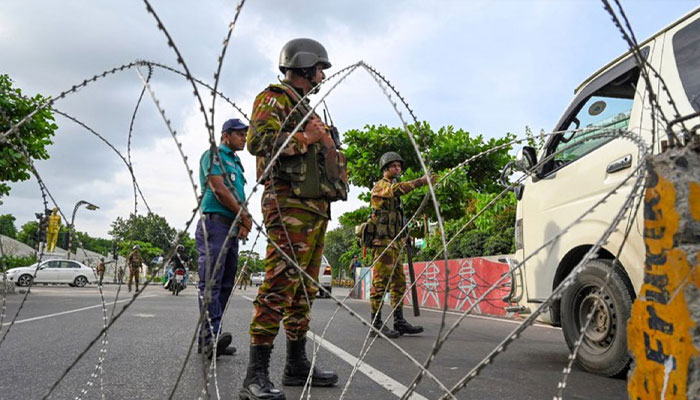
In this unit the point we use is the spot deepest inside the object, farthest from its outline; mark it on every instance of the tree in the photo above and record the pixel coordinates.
(147, 250)
(34, 135)
(255, 264)
(7, 225)
(150, 228)
(27, 233)
(442, 149)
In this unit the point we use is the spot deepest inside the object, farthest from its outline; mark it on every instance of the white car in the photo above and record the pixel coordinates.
(71, 272)
(257, 278)
(325, 277)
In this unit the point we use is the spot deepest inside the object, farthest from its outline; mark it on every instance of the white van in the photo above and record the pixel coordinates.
(562, 189)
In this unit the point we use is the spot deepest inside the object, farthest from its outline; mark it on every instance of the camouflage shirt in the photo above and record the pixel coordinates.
(386, 195)
(266, 134)
(135, 259)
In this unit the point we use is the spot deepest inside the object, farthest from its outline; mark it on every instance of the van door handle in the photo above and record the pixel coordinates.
(619, 164)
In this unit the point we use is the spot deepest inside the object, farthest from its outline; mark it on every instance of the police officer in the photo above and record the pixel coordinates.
(134, 261)
(296, 210)
(223, 184)
(388, 219)
(101, 269)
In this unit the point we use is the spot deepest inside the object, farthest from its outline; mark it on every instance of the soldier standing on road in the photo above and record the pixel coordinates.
(101, 269)
(223, 184)
(296, 210)
(121, 275)
(134, 261)
(388, 218)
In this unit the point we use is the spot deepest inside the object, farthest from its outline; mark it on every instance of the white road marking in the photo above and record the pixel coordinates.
(372, 373)
(145, 315)
(70, 311)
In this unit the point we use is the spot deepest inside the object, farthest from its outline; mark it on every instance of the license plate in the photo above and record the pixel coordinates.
(178, 278)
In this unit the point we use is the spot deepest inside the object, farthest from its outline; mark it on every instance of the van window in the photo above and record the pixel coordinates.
(686, 50)
(599, 114)
(608, 108)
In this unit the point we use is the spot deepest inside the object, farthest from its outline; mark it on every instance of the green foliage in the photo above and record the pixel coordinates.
(150, 228)
(255, 263)
(354, 218)
(7, 225)
(148, 251)
(338, 242)
(35, 135)
(490, 234)
(26, 233)
(14, 261)
(448, 147)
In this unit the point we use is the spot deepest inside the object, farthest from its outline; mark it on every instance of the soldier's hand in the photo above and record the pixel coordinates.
(315, 130)
(433, 178)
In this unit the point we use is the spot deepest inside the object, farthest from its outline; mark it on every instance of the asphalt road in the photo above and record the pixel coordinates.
(148, 344)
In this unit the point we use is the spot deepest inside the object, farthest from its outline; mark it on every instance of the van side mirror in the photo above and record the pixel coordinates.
(526, 158)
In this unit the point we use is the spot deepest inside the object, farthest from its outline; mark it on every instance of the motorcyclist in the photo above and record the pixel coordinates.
(178, 261)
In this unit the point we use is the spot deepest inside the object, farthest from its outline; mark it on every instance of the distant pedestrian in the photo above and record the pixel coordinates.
(120, 275)
(134, 261)
(354, 265)
(101, 269)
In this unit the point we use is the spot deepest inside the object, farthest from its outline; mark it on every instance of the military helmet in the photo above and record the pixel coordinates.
(303, 53)
(136, 247)
(388, 158)
(180, 248)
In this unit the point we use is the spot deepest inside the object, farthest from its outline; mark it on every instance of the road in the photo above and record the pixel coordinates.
(148, 344)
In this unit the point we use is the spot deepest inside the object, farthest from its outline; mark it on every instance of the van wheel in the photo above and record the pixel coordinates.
(604, 347)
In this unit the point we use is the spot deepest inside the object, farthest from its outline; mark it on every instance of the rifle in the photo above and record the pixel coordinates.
(412, 274)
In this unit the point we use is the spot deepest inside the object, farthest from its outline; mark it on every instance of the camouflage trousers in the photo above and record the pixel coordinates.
(383, 269)
(134, 274)
(286, 295)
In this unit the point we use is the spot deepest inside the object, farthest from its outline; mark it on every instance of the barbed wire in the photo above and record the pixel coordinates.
(385, 86)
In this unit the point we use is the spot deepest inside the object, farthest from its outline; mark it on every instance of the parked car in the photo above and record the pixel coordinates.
(257, 278)
(71, 272)
(325, 277)
(563, 188)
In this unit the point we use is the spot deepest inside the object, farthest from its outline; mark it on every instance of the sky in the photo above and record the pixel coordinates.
(488, 67)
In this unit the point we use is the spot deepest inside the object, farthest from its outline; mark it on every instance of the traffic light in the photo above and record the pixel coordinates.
(43, 226)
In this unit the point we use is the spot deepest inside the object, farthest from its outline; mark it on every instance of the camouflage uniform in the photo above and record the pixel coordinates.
(134, 262)
(101, 270)
(288, 219)
(384, 193)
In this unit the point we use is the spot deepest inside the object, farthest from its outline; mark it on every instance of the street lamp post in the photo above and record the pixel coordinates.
(87, 205)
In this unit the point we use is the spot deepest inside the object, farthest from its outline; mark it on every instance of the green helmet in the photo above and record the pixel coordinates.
(388, 158)
(303, 53)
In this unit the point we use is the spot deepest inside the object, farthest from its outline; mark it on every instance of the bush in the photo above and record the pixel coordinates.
(496, 245)
(14, 262)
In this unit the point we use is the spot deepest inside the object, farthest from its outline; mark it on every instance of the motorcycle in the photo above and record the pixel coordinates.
(177, 282)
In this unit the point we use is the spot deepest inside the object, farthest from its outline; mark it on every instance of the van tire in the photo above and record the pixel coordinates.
(604, 349)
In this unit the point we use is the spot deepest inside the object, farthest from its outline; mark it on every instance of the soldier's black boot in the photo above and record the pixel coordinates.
(257, 384)
(402, 326)
(297, 367)
(386, 330)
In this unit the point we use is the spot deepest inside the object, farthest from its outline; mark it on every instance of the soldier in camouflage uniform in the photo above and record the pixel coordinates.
(295, 217)
(388, 219)
(134, 262)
